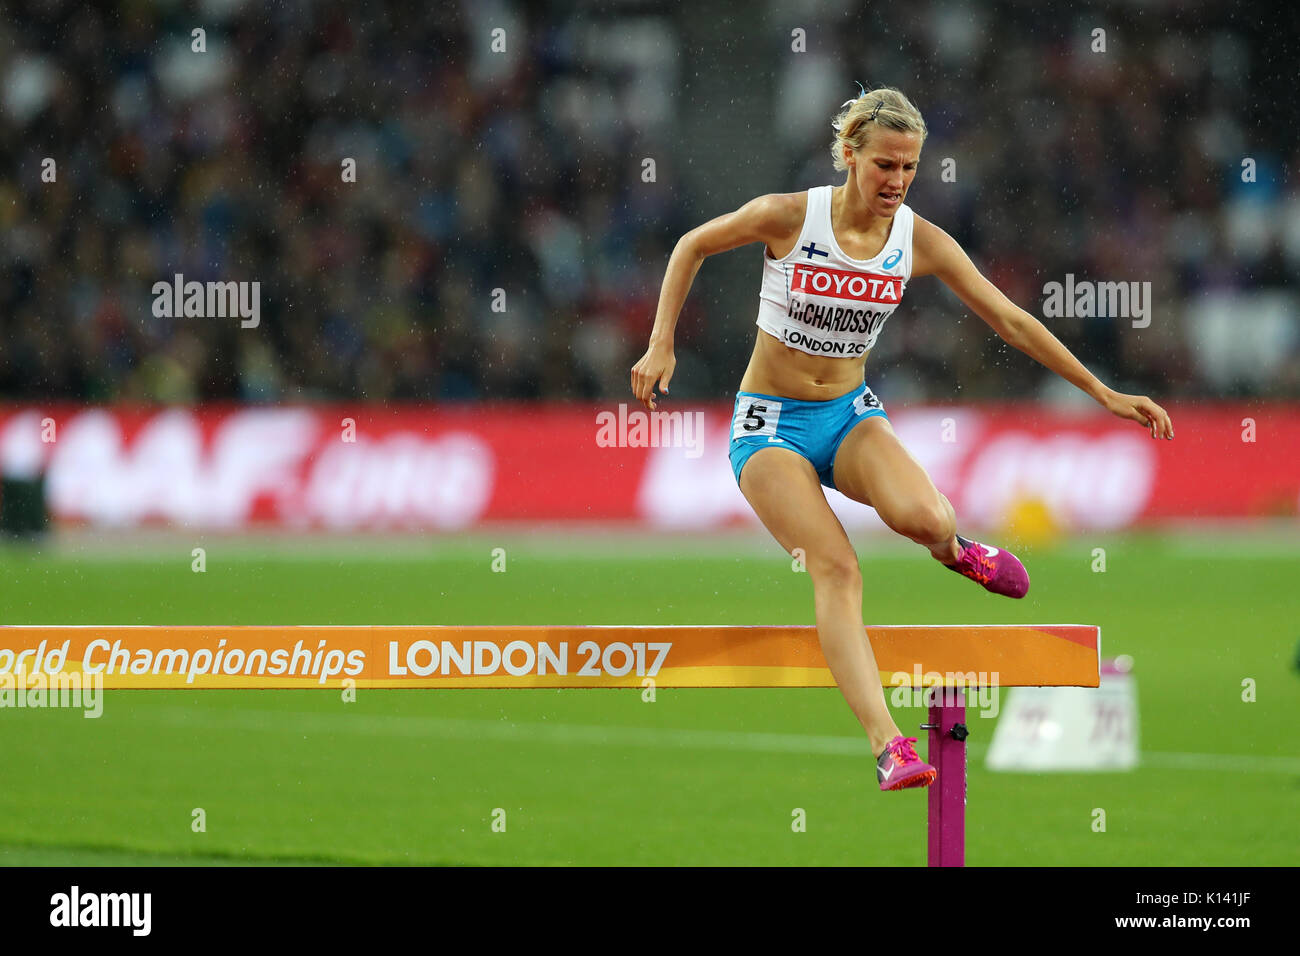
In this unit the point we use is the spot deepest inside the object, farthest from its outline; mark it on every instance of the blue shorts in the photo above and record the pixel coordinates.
(812, 429)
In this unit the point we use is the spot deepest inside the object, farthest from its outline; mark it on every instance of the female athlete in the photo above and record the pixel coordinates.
(836, 262)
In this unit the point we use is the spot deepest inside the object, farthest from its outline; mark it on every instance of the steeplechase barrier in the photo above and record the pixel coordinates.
(946, 661)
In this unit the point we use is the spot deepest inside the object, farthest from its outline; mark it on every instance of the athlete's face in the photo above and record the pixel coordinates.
(884, 167)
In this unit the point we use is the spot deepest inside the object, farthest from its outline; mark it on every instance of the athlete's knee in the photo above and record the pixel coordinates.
(837, 568)
(926, 522)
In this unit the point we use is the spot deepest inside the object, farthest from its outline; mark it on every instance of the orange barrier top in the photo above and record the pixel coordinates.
(615, 656)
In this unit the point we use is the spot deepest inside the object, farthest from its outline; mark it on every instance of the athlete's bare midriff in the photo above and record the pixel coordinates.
(776, 369)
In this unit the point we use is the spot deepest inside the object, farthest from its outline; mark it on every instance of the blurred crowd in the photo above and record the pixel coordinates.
(505, 237)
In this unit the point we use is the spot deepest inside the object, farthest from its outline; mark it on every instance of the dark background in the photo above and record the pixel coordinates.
(522, 171)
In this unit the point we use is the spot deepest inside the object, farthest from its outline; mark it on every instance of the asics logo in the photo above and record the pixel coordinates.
(992, 552)
(893, 259)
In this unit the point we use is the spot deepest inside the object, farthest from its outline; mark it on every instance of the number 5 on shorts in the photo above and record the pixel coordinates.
(755, 416)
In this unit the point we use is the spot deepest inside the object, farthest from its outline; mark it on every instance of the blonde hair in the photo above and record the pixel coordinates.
(884, 107)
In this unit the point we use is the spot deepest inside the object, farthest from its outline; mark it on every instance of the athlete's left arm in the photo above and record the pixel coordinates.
(936, 253)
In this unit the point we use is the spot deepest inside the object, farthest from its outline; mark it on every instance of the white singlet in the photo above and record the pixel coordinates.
(818, 300)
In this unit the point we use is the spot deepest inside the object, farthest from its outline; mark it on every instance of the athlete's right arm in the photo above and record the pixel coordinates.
(766, 219)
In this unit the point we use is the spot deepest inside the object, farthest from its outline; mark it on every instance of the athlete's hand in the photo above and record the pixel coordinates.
(655, 366)
(1140, 409)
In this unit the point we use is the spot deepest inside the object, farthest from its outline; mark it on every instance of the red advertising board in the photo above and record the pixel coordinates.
(446, 467)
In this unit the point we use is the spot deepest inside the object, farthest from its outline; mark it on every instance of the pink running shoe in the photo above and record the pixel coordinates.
(900, 768)
(999, 571)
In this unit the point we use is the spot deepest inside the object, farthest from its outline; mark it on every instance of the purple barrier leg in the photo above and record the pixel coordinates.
(947, 825)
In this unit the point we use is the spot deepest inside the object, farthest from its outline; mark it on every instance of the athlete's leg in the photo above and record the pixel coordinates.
(873, 467)
(783, 489)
